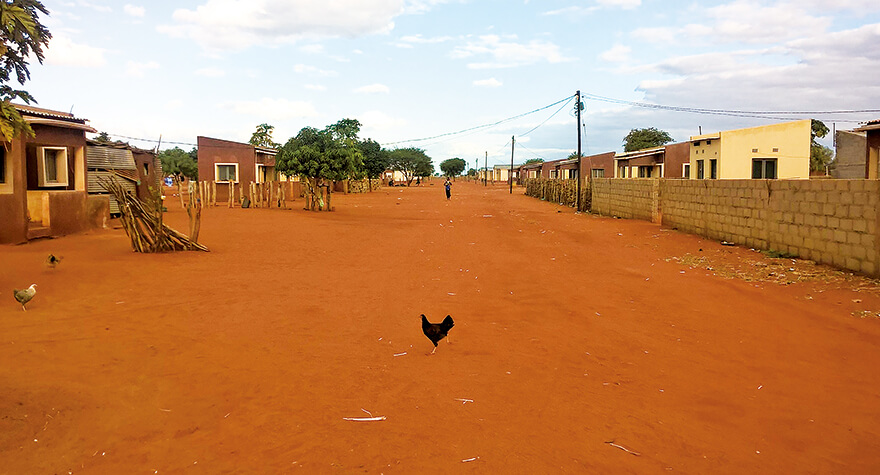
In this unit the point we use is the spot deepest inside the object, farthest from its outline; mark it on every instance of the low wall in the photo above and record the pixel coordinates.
(13, 219)
(98, 210)
(68, 212)
(828, 221)
(635, 199)
(563, 192)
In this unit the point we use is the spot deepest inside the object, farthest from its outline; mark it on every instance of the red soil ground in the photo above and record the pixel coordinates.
(571, 331)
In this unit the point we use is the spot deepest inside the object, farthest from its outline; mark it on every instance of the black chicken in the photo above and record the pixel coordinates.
(436, 331)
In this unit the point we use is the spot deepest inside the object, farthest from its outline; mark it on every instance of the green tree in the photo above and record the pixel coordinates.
(820, 155)
(638, 139)
(320, 157)
(541, 160)
(453, 167)
(178, 164)
(22, 36)
(412, 162)
(103, 137)
(375, 159)
(262, 137)
(472, 172)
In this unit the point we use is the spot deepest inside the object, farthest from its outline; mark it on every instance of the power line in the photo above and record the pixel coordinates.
(484, 126)
(729, 112)
(548, 118)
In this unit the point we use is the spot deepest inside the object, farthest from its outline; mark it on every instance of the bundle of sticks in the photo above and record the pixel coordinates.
(142, 222)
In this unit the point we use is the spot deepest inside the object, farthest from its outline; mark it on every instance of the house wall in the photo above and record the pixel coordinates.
(149, 173)
(710, 149)
(213, 151)
(75, 142)
(828, 221)
(676, 156)
(788, 143)
(872, 144)
(850, 153)
(602, 161)
(13, 196)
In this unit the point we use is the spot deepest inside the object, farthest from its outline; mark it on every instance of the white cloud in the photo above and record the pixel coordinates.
(491, 82)
(221, 25)
(63, 51)
(95, 6)
(373, 89)
(313, 49)
(617, 54)
(273, 109)
(312, 71)
(625, 4)
(315, 87)
(507, 54)
(210, 72)
(138, 69)
(419, 39)
(746, 21)
(134, 11)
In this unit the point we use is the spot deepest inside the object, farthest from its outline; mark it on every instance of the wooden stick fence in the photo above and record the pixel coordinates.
(143, 223)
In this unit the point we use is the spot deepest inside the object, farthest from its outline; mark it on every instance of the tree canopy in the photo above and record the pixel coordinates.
(638, 139)
(453, 166)
(331, 154)
(539, 160)
(22, 37)
(412, 162)
(178, 163)
(262, 137)
(820, 155)
(375, 158)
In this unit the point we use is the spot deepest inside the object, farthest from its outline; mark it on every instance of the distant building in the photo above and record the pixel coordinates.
(667, 161)
(850, 154)
(225, 162)
(770, 151)
(872, 148)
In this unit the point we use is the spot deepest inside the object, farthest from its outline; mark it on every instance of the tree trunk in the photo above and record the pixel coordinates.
(179, 191)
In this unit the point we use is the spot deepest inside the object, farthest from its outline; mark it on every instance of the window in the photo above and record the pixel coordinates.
(621, 172)
(598, 173)
(697, 143)
(701, 172)
(146, 169)
(645, 172)
(713, 169)
(764, 168)
(572, 174)
(52, 166)
(708, 142)
(2, 164)
(226, 172)
(686, 170)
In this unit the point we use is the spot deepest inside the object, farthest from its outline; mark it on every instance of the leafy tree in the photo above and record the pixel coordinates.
(375, 159)
(178, 164)
(103, 137)
(320, 157)
(453, 167)
(412, 162)
(541, 160)
(472, 172)
(638, 139)
(820, 155)
(22, 36)
(262, 137)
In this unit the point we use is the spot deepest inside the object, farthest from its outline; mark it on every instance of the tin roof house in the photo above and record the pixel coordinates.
(138, 171)
(43, 179)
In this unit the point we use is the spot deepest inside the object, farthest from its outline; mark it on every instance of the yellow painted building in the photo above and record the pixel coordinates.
(769, 151)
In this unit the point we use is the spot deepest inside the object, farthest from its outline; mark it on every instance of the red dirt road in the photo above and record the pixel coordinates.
(571, 331)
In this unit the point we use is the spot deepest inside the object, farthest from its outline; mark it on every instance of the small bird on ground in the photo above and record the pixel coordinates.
(53, 260)
(25, 296)
(436, 331)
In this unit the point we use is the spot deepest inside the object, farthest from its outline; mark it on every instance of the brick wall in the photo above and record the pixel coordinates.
(626, 198)
(828, 221)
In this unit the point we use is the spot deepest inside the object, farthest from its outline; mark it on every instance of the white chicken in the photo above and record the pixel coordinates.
(25, 296)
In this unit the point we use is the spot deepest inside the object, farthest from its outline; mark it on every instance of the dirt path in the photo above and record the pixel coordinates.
(571, 331)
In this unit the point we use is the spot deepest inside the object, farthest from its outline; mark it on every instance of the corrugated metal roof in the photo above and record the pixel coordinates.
(95, 187)
(109, 158)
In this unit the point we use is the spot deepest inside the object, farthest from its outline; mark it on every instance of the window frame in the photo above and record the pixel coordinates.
(217, 172)
(764, 167)
(61, 163)
(686, 170)
(701, 170)
(713, 168)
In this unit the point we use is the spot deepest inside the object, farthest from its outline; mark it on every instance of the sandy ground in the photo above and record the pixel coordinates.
(572, 331)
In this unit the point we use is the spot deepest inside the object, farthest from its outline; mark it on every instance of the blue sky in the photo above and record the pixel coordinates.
(411, 69)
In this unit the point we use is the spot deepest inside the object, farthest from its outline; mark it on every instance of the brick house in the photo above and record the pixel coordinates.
(224, 162)
(43, 179)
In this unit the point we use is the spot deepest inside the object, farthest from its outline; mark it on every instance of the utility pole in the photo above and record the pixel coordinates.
(510, 175)
(477, 168)
(486, 176)
(578, 106)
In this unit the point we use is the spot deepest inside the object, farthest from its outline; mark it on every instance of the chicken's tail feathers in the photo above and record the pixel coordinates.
(447, 323)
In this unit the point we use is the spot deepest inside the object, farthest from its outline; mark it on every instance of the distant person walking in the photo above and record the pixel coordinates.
(448, 186)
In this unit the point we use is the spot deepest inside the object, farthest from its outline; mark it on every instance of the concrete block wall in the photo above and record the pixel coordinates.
(828, 221)
(627, 198)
